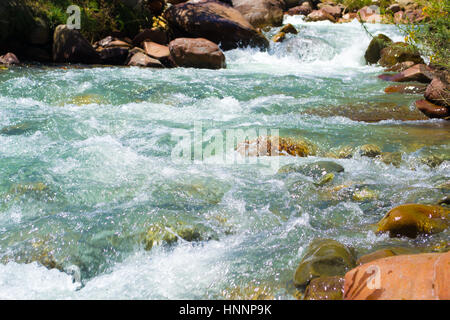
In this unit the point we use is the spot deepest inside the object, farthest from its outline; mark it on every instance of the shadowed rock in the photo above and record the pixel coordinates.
(216, 22)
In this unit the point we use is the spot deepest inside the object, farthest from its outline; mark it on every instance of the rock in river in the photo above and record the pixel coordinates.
(423, 276)
(324, 257)
(411, 220)
(196, 53)
(216, 22)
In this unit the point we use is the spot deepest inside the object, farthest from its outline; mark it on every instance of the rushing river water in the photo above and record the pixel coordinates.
(88, 170)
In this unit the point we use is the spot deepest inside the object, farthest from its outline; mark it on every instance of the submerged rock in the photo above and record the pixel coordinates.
(276, 146)
(249, 292)
(159, 234)
(261, 13)
(370, 150)
(411, 220)
(399, 52)
(196, 53)
(316, 170)
(373, 52)
(431, 110)
(432, 161)
(325, 288)
(369, 112)
(216, 22)
(405, 277)
(365, 194)
(394, 158)
(406, 89)
(345, 152)
(86, 99)
(324, 257)
(18, 129)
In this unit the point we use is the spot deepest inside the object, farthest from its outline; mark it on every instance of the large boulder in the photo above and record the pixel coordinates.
(196, 53)
(378, 43)
(399, 52)
(411, 220)
(216, 22)
(405, 277)
(261, 13)
(324, 257)
(69, 46)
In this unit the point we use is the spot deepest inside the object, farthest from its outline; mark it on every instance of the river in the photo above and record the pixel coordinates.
(89, 168)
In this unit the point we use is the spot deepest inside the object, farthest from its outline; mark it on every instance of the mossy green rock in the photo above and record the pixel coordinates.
(373, 52)
(324, 257)
(325, 288)
(394, 158)
(158, 234)
(370, 150)
(315, 170)
(399, 52)
(411, 220)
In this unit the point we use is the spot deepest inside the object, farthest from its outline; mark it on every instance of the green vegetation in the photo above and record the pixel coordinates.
(431, 36)
(99, 18)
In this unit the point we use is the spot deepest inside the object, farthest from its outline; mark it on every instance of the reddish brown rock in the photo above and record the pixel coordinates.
(140, 59)
(332, 10)
(216, 22)
(155, 34)
(431, 110)
(438, 92)
(196, 53)
(303, 9)
(261, 13)
(156, 50)
(320, 15)
(406, 88)
(9, 59)
(406, 277)
(418, 72)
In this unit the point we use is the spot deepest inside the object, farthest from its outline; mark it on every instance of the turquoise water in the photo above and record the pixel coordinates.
(89, 168)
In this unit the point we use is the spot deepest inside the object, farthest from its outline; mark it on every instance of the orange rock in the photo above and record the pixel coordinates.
(406, 277)
(156, 50)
